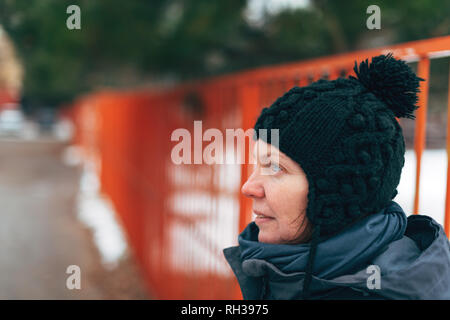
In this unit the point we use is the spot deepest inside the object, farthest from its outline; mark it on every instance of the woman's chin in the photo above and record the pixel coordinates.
(266, 237)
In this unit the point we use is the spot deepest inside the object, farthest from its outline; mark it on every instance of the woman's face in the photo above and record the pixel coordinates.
(279, 189)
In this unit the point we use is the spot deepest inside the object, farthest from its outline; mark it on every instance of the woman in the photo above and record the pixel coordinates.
(326, 226)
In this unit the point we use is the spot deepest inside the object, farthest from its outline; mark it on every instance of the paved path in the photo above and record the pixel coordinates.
(40, 235)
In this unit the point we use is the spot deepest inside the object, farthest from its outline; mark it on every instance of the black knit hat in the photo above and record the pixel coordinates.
(344, 135)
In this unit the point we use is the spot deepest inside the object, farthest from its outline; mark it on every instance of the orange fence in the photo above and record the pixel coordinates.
(178, 218)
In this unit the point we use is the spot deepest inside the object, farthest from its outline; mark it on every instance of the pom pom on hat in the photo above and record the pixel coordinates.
(392, 81)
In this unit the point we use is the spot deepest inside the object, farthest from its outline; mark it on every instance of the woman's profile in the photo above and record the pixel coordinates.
(326, 225)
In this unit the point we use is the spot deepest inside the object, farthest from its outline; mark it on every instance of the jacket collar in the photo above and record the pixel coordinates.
(417, 266)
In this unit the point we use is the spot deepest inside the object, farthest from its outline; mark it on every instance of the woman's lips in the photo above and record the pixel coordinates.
(261, 218)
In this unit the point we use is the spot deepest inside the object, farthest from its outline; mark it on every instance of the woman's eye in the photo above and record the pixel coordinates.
(275, 167)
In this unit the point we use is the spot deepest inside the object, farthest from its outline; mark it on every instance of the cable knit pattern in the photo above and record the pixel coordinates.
(346, 139)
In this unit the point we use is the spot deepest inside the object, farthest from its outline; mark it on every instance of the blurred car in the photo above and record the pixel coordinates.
(46, 119)
(11, 122)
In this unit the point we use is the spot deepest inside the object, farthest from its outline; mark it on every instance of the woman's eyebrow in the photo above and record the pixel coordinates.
(267, 156)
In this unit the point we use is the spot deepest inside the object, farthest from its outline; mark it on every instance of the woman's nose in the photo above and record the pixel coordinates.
(253, 187)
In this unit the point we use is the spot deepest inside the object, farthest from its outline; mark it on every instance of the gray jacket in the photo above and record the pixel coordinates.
(417, 266)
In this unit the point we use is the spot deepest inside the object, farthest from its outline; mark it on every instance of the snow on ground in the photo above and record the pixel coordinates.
(432, 184)
(97, 212)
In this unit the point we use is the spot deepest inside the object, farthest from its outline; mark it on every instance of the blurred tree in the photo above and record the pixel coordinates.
(130, 43)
